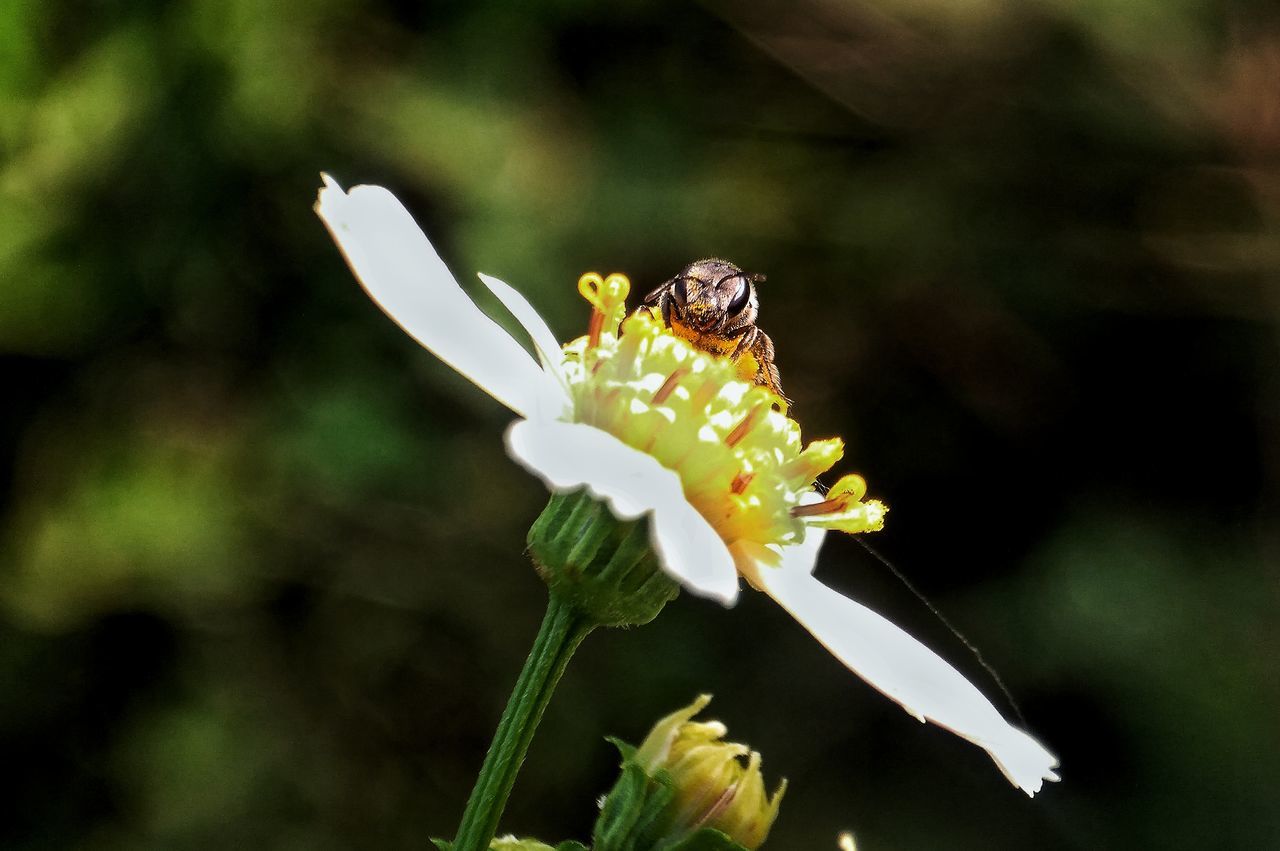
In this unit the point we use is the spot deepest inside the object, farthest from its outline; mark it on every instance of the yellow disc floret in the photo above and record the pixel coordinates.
(741, 462)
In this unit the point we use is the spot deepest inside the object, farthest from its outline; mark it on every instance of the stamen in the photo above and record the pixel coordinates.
(743, 428)
(668, 387)
(608, 297)
(830, 506)
(702, 397)
(594, 327)
(721, 804)
(741, 481)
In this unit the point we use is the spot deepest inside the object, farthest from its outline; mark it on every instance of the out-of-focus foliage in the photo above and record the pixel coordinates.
(262, 582)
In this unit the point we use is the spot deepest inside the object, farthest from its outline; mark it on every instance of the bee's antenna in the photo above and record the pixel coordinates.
(977, 654)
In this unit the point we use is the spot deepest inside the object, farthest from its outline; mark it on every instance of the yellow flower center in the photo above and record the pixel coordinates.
(741, 462)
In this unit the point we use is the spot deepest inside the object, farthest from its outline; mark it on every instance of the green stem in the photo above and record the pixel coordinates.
(563, 628)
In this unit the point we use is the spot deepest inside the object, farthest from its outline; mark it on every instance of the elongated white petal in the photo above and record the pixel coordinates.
(544, 340)
(403, 274)
(900, 666)
(570, 455)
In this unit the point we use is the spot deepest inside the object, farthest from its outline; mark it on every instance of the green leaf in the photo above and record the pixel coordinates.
(623, 806)
(629, 818)
(442, 844)
(649, 826)
(572, 845)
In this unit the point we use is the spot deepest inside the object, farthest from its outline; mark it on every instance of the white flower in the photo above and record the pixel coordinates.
(657, 428)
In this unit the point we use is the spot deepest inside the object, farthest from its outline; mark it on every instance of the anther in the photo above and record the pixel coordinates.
(669, 386)
(741, 481)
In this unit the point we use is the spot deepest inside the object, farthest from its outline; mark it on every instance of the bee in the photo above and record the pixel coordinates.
(713, 304)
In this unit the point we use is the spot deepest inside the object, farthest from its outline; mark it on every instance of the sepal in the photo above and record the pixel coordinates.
(603, 567)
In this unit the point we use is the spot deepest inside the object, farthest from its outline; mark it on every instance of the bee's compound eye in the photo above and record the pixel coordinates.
(740, 297)
(682, 293)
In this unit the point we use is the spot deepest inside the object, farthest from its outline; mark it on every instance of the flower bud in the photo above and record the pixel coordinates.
(714, 788)
(511, 843)
(700, 782)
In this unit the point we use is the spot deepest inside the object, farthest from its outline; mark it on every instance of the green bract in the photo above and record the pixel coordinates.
(602, 566)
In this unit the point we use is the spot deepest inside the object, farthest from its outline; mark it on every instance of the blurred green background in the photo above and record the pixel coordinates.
(261, 572)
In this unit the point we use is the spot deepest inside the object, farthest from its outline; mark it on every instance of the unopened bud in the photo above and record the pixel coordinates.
(709, 783)
(511, 843)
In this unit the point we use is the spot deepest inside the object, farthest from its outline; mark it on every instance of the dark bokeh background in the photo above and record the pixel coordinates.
(261, 581)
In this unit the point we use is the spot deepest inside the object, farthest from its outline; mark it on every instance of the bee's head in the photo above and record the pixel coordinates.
(713, 296)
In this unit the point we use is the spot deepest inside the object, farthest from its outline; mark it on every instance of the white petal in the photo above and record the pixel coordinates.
(544, 340)
(569, 455)
(400, 270)
(900, 666)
